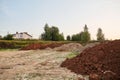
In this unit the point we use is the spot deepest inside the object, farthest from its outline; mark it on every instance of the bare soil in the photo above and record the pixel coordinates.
(73, 47)
(34, 65)
(101, 62)
(36, 46)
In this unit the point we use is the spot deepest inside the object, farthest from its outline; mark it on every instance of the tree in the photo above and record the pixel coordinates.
(46, 27)
(54, 33)
(0, 37)
(68, 38)
(85, 28)
(61, 37)
(47, 34)
(76, 37)
(85, 35)
(100, 35)
(8, 37)
(51, 33)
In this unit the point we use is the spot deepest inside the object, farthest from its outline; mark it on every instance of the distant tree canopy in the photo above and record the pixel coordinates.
(76, 37)
(51, 33)
(100, 35)
(83, 36)
(8, 37)
(68, 38)
(0, 37)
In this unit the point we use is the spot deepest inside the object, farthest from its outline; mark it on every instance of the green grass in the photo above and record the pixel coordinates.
(17, 44)
(72, 54)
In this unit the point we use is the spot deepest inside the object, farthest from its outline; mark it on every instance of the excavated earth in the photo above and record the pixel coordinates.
(36, 46)
(73, 47)
(97, 62)
(100, 62)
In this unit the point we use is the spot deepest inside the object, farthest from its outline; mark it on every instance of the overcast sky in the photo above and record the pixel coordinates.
(69, 16)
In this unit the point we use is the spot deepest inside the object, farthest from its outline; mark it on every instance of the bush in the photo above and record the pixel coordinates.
(8, 37)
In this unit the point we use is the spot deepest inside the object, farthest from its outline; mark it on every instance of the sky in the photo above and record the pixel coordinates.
(69, 16)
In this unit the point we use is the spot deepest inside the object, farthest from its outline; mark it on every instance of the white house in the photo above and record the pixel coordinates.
(22, 35)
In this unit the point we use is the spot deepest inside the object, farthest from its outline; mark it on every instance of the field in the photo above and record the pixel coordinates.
(45, 60)
(34, 65)
(18, 44)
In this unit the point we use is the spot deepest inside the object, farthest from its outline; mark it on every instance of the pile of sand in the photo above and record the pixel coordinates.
(69, 47)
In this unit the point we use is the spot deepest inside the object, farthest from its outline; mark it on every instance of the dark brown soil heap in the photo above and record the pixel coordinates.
(35, 46)
(101, 62)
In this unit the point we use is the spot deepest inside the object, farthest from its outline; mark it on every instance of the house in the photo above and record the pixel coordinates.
(22, 35)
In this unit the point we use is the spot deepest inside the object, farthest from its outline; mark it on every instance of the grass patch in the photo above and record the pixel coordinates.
(18, 44)
(72, 54)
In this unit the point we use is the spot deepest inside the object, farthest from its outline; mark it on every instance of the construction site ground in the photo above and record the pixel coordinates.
(34, 65)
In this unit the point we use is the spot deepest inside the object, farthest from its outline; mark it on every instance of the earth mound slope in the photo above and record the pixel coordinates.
(101, 61)
(69, 47)
(36, 46)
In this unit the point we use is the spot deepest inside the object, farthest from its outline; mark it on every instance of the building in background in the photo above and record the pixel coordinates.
(22, 35)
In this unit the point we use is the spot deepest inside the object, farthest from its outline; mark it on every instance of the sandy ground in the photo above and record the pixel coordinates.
(34, 65)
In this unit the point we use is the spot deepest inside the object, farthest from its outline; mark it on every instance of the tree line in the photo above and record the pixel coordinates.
(83, 36)
(52, 33)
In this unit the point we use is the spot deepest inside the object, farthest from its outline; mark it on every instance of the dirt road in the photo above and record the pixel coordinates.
(34, 65)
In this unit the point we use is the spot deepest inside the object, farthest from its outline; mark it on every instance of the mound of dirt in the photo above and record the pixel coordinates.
(36, 46)
(100, 62)
(69, 47)
(91, 44)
